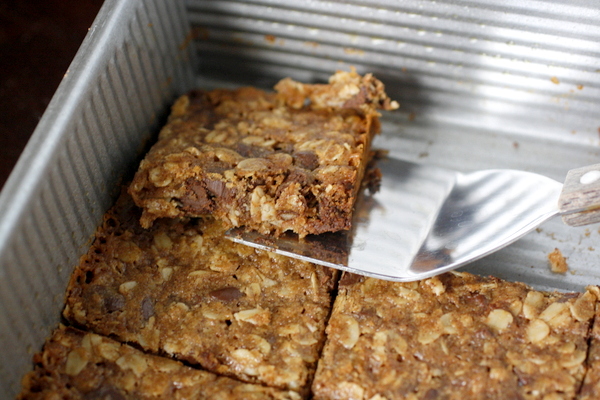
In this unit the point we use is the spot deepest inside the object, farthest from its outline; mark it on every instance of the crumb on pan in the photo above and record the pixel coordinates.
(558, 262)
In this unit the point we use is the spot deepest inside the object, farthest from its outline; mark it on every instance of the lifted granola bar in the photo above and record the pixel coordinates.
(81, 365)
(181, 289)
(273, 162)
(456, 336)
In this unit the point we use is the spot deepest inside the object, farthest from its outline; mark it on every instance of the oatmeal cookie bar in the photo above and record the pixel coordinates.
(181, 289)
(291, 160)
(78, 365)
(456, 336)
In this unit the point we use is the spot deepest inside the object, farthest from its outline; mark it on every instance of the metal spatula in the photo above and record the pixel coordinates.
(426, 220)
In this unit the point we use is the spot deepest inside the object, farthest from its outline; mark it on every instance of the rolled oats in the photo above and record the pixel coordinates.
(224, 144)
(233, 310)
(68, 369)
(454, 336)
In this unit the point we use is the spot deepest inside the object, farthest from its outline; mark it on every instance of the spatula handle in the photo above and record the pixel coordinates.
(579, 202)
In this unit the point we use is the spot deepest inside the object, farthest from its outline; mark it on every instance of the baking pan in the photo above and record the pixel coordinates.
(482, 84)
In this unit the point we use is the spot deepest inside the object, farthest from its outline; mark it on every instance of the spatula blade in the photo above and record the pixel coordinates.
(425, 220)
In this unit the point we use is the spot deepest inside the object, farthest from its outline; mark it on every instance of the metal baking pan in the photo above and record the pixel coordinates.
(482, 84)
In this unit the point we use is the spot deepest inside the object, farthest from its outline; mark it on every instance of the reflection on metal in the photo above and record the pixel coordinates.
(426, 220)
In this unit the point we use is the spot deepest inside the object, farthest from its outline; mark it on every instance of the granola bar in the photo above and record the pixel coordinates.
(181, 289)
(456, 336)
(291, 160)
(78, 365)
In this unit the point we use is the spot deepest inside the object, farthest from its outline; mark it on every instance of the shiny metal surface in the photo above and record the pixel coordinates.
(482, 85)
(426, 220)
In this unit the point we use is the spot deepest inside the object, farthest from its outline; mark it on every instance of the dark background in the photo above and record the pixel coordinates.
(38, 40)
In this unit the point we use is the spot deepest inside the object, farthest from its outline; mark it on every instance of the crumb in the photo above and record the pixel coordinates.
(554, 80)
(558, 262)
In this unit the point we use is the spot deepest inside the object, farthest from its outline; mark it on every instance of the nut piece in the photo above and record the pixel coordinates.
(499, 320)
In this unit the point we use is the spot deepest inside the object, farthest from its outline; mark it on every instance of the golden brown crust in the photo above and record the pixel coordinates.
(183, 290)
(457, 336)
(82, 365)
(264, 160)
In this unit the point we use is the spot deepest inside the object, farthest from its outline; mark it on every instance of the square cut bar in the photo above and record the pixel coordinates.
(181, 289)
(291, 160)
(79, 365)
(456, 336)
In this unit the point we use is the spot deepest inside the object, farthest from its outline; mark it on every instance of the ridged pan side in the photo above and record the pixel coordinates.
(114, 97)
(525, 66)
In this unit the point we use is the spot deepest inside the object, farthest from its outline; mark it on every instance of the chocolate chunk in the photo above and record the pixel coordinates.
(226, 294)
(477, 300)
(431, 394)
(306, 159)
(250, 151)
(113, 302)
(219, 189)
(303, 177)
(109, 298)
(196, 199)
(358, 99)
(147, 308)
(349, 278)
(105, 392)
